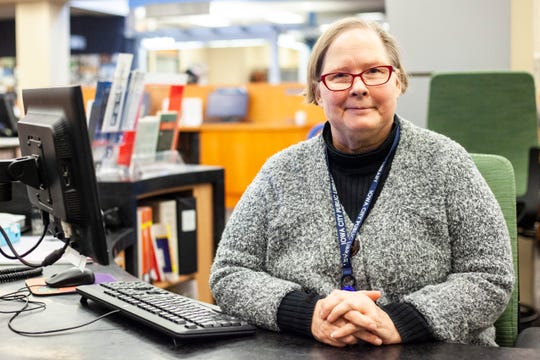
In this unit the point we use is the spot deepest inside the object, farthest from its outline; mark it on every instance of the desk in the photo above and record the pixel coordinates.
(117, 337)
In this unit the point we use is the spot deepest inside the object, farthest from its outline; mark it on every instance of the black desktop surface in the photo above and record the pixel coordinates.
(117, 337)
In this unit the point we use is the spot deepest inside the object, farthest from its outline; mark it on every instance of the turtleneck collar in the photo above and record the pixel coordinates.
(365, 162)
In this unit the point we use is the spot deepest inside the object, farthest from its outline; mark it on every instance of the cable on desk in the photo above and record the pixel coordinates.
(49, 259)
(14, 273)
(23, 295)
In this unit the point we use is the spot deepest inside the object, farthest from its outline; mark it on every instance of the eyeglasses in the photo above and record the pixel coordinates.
(339, 81)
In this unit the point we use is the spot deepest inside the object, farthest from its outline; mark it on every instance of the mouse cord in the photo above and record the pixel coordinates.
(23, 295)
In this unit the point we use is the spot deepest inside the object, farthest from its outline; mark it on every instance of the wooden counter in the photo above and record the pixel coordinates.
(241, 149)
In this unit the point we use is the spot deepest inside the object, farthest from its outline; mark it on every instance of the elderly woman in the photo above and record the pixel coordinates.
(375, 230)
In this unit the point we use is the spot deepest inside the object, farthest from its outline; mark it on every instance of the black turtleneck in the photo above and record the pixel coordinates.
(353, 173)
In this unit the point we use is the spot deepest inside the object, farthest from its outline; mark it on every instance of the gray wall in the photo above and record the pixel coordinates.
(442, 35)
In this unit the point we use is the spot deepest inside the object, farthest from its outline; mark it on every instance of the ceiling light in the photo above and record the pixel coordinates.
(158, 43)
(140, 12)
(209, 20)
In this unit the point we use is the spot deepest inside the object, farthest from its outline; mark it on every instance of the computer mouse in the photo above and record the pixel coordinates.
(71, 277)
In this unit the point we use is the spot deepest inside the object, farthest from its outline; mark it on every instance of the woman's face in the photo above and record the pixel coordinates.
(362, 116)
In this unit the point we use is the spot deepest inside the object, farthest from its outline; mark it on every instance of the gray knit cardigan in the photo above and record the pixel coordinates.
(435, 238)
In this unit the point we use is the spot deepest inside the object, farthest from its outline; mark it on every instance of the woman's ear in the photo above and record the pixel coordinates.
(317, 94)
(398, 87)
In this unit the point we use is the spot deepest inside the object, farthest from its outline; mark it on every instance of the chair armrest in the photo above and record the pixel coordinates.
(529, 338)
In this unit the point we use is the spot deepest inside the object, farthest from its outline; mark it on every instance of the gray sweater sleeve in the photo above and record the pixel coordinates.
(240, 280)
(479, 284)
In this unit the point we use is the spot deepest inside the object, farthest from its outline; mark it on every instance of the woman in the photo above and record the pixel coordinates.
(376, 230)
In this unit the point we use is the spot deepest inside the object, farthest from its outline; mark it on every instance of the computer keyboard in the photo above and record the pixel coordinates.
(173, 314)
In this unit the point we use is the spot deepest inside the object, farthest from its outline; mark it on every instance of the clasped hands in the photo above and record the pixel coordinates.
(346, 317)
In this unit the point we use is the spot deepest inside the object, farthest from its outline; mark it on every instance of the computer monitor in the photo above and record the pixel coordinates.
(8, 118)
(227, 105)
(54, 131)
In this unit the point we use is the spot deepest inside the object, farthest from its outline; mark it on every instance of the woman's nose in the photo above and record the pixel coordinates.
(358, 85)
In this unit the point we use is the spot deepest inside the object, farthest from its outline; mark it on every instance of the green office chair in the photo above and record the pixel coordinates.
(493, 113)
(499, 174)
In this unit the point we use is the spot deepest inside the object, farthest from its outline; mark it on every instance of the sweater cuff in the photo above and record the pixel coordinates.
(295, 313)
(410, 324)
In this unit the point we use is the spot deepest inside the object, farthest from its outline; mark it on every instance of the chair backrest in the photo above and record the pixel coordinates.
(499, 174)
(487, 112)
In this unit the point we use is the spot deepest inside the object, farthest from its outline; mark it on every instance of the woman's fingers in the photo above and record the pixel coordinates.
(343, 334)
(345, 317)
(368, 337)
(361, 301)
(322, 330)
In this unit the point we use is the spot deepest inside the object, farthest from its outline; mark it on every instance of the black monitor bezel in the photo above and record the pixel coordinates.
(45, 109)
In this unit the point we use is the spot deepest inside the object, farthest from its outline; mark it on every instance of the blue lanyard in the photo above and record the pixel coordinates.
(346, 242)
